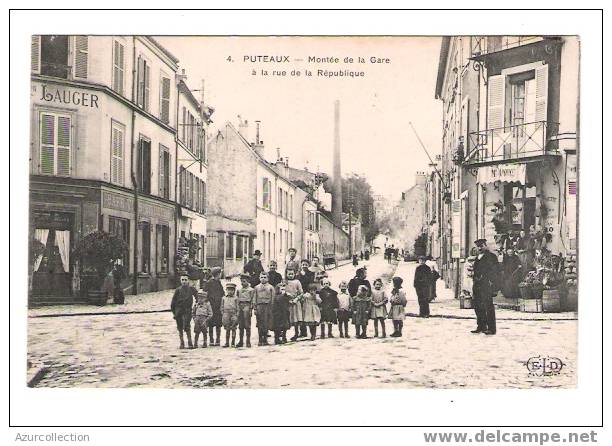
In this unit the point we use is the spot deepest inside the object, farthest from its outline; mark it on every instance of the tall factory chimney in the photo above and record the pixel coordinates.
(337, 175)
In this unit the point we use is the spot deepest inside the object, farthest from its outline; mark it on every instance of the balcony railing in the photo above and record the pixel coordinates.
(55, 70)
(512, 142)
(490, 44)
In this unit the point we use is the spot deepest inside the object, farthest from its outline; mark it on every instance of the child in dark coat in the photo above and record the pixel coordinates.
(329, 306)
(181, 304)
(362, 304)
(215, 294)
(280, 314)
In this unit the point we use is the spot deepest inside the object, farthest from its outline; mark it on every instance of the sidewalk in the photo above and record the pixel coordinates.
(446, 306)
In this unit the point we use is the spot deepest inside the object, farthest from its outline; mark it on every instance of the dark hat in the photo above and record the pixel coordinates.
(215, 270)
(422, 258)
(480, 242)
(244, 276)
(257, 252)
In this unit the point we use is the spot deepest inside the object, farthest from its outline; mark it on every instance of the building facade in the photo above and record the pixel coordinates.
(191, 170)
(510, 117)
(102, 119)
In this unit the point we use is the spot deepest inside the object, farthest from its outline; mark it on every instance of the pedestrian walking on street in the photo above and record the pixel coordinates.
(355, 260)
(398, 307)
(312, 313)
(422, 285)
(362, 304)
(280, 313)
(264, 299)
(229, 309)
(329, 307)
(202, 314)
(254, 268)
(293, 289)
(118, 275)
(274, 277)
(344, 309)
(486, 276)
(181, 304)
(379, 307)
(215, 294)
(245, 310)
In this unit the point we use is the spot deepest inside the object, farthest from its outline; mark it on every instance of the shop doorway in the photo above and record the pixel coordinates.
(52, 270)
(520, 205)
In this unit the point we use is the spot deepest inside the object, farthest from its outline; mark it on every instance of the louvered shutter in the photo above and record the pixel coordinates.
(117, 156)
(203, 206)
(541, 107)
(188, 196)
(47, 144)
(165, 100)
(196, 201)
(496, 99)
(161, 167)
(183, 124)
(81, 49)
(118, 67)
(140, 83)
(35, 54)
(147, 79)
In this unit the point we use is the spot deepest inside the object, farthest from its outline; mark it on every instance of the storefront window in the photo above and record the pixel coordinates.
(229, 251)
(145, 263)
(120, 227)
(163, 248)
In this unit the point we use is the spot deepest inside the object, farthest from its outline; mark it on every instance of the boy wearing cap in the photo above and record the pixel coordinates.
(182, 300)
(245, 310)
(263, 299)
(229, 309)
(202, 313)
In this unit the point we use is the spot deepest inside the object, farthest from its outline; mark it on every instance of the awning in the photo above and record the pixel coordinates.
(505, 173)
(189, 214)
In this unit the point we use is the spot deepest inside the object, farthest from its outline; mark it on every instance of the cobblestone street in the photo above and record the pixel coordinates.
(141, 350)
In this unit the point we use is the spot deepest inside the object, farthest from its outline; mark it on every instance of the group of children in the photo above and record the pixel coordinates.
(281, 307)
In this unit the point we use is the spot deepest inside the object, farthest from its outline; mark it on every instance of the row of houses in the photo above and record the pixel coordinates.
(120, 143)
(509, 150)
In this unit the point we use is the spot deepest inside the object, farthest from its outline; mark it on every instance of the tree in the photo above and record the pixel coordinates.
(98, 251)
(357, 196)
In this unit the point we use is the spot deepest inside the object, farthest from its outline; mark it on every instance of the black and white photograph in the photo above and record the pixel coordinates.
(278, 211)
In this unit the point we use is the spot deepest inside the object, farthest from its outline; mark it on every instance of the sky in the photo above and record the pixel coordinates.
(296, 113)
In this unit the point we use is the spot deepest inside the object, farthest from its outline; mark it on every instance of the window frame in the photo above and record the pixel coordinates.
(56, 115)
(121, 69)
(163, 75)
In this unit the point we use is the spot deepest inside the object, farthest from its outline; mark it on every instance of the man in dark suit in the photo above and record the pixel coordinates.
(486, 277)
(254, 268)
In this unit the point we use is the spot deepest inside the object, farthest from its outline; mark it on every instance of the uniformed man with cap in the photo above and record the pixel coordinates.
(486, 272)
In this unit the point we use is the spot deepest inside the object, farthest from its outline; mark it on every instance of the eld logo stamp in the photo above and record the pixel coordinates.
(544, 366)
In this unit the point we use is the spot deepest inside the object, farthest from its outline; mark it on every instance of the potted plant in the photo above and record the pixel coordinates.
(537, 289)
(97, 252)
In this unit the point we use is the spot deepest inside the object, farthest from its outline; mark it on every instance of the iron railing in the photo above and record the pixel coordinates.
(512, 142)
(490, 44)
(55, 70)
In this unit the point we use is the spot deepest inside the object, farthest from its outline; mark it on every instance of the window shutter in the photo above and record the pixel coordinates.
(147, 79)
(169, 176)
(183, 124)
(117, 156)
(81, 48)
(495, 106)
(47, 144)
(140, 83)
(203, 197)
(161, 167)
(188, 189)
(196, 204)
(165, 100)
(118, 68)
(63, 145)
(541, 77)
(35, 54)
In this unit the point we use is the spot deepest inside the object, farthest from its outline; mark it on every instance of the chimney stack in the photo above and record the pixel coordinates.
(258, 144)
(337, 176)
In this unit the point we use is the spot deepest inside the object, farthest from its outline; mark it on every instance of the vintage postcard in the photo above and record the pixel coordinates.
(303, 212)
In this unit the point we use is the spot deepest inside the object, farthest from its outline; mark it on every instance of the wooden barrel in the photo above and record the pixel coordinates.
(551, 301)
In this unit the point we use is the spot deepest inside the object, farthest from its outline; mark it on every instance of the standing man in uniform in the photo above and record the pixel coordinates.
(486, 275)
